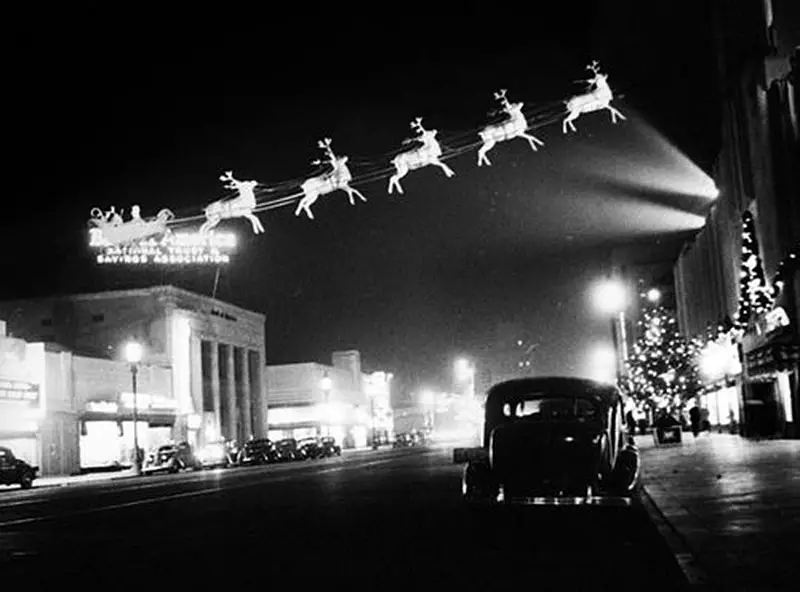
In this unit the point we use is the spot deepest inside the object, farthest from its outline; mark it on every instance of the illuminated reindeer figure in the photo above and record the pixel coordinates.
(419, 157)
(338, 178)
(515, 126)
(597, 98)
(241, 206)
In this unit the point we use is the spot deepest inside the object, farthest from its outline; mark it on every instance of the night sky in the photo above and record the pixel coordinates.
(142, 108)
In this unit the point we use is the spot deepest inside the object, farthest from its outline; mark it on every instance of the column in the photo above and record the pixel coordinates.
(259, 395)
(196, 378)
(230, 392)
(213, 354)
(247, 418)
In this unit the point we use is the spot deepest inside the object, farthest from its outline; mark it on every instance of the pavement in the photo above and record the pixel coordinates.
(387, 519)
(729, 508)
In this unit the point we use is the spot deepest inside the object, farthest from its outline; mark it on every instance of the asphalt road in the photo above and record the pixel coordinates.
(383, 520)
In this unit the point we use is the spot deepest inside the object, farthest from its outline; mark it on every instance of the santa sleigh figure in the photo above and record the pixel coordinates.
(110, 230)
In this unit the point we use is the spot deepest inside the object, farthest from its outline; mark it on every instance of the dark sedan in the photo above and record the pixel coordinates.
(258, 452)
(557, 439)
(310, 448)
(330, 447)
(288, 450)
(14, 470)
(172, 458)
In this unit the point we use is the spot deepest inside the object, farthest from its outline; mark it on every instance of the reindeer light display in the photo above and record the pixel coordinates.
(514, 126)
(426, 154)
(241, 206)
(599, 97)
(338, 177)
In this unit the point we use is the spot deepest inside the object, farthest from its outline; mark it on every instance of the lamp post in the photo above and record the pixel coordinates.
(428, 400)
(326, 383)
(611, 297)
(133, 354)
(465, 373)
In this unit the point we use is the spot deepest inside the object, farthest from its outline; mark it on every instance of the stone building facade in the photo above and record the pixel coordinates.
(215, 352)
(756, 172)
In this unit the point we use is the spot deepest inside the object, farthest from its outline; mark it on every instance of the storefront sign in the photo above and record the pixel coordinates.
(14, 390)
(108, 407)
(147, 401)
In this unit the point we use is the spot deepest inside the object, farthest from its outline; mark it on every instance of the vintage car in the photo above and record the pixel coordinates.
(214, 455)
(257, 452)
(14, 470)
(330, 447)
(172, 458)
(551, 440)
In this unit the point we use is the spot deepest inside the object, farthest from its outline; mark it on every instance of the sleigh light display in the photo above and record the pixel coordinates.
(152, 240)
(148, 241)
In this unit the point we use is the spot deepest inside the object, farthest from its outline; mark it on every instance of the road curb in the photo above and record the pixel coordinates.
(695, 575)
(78, 481)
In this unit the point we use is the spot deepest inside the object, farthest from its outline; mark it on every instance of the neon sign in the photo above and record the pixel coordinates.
(171, 249)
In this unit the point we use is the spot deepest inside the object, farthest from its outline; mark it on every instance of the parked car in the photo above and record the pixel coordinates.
(330, 447)
(551, 437)
(214, 455)
(288, 450)
(258, 452)
(405, 440)
(172, 458)
(310, 448)
(15, 471)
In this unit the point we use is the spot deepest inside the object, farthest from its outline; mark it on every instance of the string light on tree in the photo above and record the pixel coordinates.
(755, 297)
(663, 369)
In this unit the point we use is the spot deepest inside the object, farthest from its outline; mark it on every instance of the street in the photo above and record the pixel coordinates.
(379, 520)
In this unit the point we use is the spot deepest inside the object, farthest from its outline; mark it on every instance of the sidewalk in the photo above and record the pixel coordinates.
(63, 480)
(732, 504)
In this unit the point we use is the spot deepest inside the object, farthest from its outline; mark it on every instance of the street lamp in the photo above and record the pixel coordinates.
(602, 363)
(325, 384)
(133, 354)
(654, 295)
(428, 400)
(611, 297)
(465, 372)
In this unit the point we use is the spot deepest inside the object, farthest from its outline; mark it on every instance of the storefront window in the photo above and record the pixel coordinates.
(100, 445)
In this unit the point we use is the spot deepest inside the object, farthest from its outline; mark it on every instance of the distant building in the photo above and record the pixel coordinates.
(214, 353)
(310, 399)
(65, 412)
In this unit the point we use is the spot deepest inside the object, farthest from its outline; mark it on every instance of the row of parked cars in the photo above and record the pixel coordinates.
(172, 458)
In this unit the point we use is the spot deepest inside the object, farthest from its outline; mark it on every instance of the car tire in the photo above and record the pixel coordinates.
(26, 481)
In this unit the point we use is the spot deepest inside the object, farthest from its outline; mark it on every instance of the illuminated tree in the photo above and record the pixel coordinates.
(755, 296)
(663, 366)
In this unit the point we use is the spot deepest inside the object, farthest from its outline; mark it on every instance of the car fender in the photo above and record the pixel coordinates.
(478, 482)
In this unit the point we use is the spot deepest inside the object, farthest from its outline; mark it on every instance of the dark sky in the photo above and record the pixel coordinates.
(116, 108)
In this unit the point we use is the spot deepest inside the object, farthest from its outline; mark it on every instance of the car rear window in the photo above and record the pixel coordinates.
(552, 408)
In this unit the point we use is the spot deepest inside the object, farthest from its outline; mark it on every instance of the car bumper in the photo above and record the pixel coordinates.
(612, 501)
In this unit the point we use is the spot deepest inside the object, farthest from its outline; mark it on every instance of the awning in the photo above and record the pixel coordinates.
(154, 419)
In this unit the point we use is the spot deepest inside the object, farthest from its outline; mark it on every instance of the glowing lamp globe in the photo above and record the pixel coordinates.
(610, 296)
(654, 295)
(133, 352)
